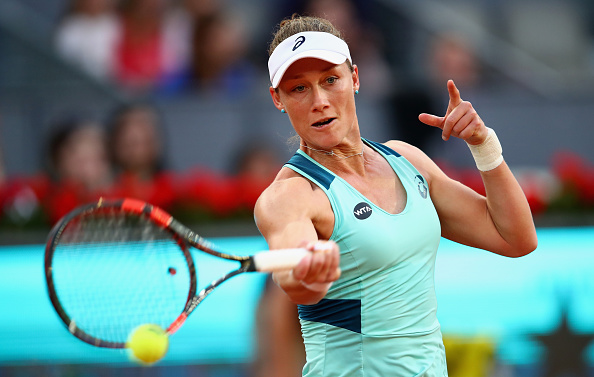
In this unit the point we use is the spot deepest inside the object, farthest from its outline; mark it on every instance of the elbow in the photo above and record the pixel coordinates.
(524, 247)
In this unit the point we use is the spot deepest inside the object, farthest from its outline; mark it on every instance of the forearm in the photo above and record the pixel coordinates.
(284, 216)
(293, 282)
(501, 222)
(506, 203)
(509, 210)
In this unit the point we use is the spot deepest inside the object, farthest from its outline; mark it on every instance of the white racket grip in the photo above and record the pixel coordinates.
(278, 260)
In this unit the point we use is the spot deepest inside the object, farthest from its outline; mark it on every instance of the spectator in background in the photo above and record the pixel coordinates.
(20, 201)
(20, 198)
(200, 9)
(254, 169)
(87, 36)
(219, 62)
(452, 56)
(185, 15)
(79, 167)
(152, 53)
(2, 169)
(203, 191)
(448, 56)
(136, 151)
(135, 140)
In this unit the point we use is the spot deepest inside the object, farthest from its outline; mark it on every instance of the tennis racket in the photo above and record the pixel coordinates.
(111, 266)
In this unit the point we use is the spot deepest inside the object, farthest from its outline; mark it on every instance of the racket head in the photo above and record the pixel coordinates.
(111, 266)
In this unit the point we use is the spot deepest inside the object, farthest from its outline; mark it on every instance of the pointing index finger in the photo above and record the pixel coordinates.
(455, 98)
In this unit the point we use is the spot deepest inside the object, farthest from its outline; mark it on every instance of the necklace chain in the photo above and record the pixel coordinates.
(331, 153)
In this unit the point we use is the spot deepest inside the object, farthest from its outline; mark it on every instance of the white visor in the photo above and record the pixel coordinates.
(308, 44)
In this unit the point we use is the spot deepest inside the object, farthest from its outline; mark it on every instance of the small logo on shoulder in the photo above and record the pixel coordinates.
(421, 186)
(298, 42)
(362, 211)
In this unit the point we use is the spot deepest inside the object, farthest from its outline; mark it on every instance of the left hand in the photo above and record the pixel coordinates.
(461, 119)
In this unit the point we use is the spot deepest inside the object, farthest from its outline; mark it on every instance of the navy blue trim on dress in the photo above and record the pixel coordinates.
(320, 175)
(383, 148)
(340, 313)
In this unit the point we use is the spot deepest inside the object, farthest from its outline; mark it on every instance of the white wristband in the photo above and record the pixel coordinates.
(317, 287)
(488, 154)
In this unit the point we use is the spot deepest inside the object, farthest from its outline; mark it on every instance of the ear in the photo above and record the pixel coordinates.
(355, 76)
(276, 98)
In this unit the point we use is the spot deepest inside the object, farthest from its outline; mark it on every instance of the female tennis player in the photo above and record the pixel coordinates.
(373, 214)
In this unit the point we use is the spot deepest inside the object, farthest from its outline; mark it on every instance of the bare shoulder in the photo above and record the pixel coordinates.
(287, 185)
(288, 198)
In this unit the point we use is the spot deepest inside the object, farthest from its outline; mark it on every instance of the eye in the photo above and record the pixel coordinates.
(331, 79)
(299, 88)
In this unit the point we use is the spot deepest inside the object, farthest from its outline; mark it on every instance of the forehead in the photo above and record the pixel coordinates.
(310, 66)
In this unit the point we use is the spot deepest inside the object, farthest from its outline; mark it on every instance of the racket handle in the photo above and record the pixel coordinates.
(278, 260)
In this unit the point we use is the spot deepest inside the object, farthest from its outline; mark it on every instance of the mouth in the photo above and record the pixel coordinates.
(323, 122)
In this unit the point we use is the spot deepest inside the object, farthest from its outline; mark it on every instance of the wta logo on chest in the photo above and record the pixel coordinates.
(362, 211)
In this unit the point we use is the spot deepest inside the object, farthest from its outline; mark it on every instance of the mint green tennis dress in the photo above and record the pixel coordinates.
(379, 319)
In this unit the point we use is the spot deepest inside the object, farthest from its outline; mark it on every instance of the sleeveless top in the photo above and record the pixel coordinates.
(379, 318)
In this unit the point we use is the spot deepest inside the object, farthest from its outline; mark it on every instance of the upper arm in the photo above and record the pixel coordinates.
(500, 222)
(464, 214)
(284, 214)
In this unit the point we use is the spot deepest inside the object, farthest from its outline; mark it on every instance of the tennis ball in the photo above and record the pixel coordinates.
(148, 343)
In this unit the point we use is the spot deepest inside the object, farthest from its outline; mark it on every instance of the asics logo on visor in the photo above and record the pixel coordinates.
(298, 42)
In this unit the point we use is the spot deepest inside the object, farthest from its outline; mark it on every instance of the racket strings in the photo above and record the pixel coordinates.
(114, 271)
(112, 225)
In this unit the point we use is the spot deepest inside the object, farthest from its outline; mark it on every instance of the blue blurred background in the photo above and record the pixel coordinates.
(499, 316)
(167, 101)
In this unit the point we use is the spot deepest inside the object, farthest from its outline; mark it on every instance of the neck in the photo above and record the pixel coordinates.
(338, 156)
(349, 152)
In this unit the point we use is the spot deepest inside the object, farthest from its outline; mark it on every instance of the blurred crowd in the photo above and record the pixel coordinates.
(167, 47)
(163, 47)
(157, 46)
(172, 46)
(124, 156)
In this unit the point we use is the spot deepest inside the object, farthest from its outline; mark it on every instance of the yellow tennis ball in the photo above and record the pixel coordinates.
(148, 343)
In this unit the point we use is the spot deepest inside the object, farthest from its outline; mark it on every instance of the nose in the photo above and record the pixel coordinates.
(320, 99)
